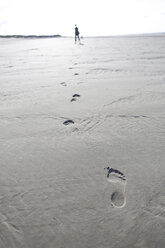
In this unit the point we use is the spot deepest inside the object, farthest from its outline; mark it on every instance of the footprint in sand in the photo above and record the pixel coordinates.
(68, 122)
(76, 74)
(118, 198)
(74, 97)
(63, 83)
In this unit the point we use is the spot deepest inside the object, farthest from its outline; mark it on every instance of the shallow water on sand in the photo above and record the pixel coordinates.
(66, 112)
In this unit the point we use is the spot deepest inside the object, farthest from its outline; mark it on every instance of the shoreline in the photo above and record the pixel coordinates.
(94, 36)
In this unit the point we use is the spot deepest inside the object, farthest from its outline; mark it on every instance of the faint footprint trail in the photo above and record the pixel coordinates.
(118, 198)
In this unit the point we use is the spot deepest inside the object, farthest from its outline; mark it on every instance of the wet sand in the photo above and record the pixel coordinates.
(66, 112)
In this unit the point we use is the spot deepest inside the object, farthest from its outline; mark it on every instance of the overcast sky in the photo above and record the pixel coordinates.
(93, 17)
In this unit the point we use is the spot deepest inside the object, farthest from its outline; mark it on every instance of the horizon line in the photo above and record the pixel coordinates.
(67, 36)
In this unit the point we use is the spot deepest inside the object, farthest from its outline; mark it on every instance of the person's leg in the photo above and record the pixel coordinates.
(75, 38)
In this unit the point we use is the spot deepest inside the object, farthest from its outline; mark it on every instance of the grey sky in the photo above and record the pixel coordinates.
(93, 17)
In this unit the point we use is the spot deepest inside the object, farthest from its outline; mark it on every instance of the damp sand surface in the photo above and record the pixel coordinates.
(66, 112)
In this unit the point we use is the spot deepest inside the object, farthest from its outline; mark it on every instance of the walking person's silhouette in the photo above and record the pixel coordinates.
(77, 34)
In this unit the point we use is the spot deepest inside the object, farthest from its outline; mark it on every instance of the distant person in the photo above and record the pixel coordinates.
(76, 34)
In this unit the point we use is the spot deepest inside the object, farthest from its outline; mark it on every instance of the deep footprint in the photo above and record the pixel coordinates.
(118, 199)
(68, 122)
(63, 83)
(74, 97)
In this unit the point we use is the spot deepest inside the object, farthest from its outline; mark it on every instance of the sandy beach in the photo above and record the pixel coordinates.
(67, 111)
